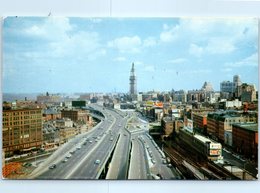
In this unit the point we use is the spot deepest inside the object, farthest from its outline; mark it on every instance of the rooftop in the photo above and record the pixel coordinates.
(50, 111)
(247, 126)
(202, 138)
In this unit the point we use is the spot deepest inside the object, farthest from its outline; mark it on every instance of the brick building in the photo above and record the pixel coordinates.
(51, 114)
(167, 126)
(67, 133)
(245, 139)
(218, 123)
(22, 130)
(199, 120)
(76, 115)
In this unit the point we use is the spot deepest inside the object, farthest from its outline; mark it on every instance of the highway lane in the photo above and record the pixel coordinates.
(60, 154)
(88, 169)
(119, 164)
(138, 168)
(62, 170)
(158, 167)
(156, 162)
(83, 163)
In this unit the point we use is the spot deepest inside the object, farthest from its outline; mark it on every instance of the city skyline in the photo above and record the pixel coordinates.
(95, 55)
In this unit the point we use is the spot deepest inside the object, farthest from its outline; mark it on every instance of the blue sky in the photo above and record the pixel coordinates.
(58, 54)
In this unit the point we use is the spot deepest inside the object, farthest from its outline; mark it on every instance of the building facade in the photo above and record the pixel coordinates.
(51, 114)
(218, 123)
(76, 115)
(22, 130)
(167, 126)
(245, 139)
(247, 92)
(199, 120)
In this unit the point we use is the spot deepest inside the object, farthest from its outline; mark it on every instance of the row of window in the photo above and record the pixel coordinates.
(22, 117)
(22, 113)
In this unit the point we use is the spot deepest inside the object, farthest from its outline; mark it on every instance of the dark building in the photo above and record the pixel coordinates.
(167, 125)
(245, 139)
(78, 104)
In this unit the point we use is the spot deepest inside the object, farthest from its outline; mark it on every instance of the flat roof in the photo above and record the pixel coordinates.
(202, 138)
(247, 126)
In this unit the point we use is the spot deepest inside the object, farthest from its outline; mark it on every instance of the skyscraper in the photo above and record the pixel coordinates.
(133, 88)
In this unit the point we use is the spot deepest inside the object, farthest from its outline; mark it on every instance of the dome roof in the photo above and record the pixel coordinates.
(207, 86)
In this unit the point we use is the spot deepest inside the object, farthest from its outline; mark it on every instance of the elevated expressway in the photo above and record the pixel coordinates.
(119, 147)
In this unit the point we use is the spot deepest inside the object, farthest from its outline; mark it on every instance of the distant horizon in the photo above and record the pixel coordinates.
(94, 55)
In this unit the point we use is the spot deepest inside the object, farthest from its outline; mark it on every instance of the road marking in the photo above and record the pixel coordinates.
(83, 160)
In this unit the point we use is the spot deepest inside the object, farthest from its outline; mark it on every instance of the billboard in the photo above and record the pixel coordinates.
(78, 103)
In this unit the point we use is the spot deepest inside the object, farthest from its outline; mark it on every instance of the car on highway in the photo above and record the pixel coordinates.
(65, 160)
(97, 161)
(26, 164)
(68, 156)
(160, 176)
(90, 141)
(52, 166)
(72, 151)
(111, 139)
(164, 161)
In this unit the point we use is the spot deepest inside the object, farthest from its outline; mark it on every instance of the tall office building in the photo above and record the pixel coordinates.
(230, 89)
(237, 81)
(22, 130)
(133, 88)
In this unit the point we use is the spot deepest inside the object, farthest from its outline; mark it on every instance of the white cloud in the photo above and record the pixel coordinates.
(61, 41)
(120, 59)
(53, 28)
(79, 44)
(215, 36)
(169, 34)
(149, 42)
(196, 50)
(250, 61)
(220, 45)
(178, 61)
(126, 44)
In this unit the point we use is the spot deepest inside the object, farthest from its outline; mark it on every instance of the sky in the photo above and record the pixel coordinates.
(59, 54)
